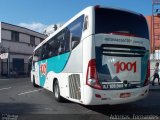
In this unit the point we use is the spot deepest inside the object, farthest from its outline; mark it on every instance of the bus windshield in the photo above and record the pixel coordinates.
(110, 20)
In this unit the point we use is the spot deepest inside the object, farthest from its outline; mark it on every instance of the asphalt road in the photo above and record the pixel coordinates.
(19, 99)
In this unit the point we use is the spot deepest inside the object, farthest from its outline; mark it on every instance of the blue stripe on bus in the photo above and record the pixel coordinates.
(55, 64)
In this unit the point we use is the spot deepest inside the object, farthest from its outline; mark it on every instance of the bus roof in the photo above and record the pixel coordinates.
(79, 14)
(66, 24)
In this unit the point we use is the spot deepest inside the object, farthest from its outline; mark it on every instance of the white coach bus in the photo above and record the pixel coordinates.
(100, 56)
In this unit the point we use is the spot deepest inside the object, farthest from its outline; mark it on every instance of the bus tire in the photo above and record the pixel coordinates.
(56, 91)
(34, 84)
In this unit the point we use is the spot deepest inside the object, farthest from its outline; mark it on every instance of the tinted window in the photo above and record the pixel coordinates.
(46, 51)
(15, 36)
(55, 46)
(110, 20)
(38, 53)
(32, 40)
(62, 41)
(75, 30)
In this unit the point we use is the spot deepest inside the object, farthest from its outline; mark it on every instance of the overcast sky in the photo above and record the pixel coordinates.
(38, 14)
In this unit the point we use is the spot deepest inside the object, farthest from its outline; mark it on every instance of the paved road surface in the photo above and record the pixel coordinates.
(18, 98)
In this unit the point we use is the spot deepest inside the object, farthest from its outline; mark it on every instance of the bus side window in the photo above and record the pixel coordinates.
(33, 62)
(76, 31)
(62, 47)
(43, 52)
(46, 51)
(38, 54)
(61, 39)
(51, 51)
(36, 57)
(67, 39)
(54, 45)
(74, 43)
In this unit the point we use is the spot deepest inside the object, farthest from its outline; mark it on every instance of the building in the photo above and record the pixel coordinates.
(154, 33)
(154, 29)
(19, 42)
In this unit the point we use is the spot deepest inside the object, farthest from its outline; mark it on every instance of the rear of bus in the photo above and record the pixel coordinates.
(118, 71)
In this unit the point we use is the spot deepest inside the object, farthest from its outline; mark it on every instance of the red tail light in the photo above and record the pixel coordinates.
(146, 82)
(91, 78)
(123, 34)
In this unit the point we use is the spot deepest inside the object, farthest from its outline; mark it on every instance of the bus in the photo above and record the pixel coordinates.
(100, 56)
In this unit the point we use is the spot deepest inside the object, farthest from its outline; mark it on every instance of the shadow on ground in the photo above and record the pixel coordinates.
(130, 109)
(17, 108)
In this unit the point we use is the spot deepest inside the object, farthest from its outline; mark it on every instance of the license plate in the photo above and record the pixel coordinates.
(125, 95)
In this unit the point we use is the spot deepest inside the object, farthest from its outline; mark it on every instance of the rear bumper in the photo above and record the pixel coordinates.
(112, 97)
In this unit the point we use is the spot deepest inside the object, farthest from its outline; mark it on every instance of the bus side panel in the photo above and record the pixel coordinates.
(88, 53)
(74, 64)
(51, 69)
(32, 74)
(72, 84)
(36, 73)
(62, 80)
(60, 68)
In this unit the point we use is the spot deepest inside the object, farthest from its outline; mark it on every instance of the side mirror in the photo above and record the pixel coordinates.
(35, 58)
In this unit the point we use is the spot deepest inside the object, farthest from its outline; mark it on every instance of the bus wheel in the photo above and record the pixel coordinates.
(34, 84)
(56, 91)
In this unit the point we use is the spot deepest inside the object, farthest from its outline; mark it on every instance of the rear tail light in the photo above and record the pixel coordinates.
(91, 78)
(123, 34)
(146, 82)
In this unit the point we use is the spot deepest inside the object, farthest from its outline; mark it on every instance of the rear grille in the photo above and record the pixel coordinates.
(123, 50)
(74, 86)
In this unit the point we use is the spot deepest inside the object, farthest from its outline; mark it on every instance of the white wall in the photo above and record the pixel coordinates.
(24, 38)
(6, 35)
(18, 47)
(37, 41)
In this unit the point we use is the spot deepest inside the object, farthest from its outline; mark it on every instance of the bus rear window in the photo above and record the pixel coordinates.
(110, 21)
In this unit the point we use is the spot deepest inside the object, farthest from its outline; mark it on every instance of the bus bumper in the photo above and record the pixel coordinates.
(112, 97)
